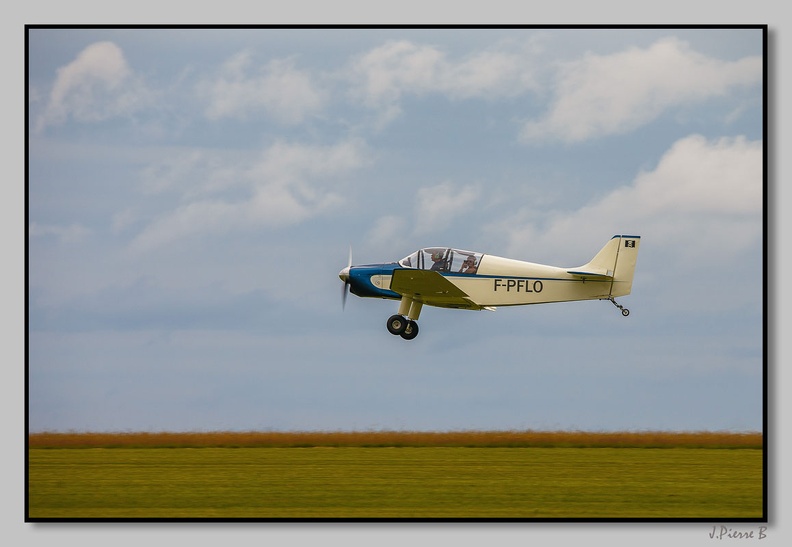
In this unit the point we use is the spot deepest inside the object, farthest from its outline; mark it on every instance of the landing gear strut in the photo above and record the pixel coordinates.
(625, 311)
(404, 323)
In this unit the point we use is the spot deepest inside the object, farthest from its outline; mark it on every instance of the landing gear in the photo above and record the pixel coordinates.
(404, 322)
(401, 326)
(625, 311)
(411, 331)
(397, 324)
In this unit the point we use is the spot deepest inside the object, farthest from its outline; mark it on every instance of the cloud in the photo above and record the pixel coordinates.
(436, 207)
(613, 94)
(194, 172)
(284, 93)
(290, 162)
(386, 72)
(382, 76)
(388, 229)
(285, 185)
(122, 220)
(65, 234)
(96, 86)
(707, 191)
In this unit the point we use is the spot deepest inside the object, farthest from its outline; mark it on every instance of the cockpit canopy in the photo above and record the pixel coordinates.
(443, 259)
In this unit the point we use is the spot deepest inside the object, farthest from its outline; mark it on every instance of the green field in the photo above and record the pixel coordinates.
(407, 482)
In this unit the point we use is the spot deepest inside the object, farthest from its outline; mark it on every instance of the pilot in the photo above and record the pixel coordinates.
(439, 263)
(469, 265)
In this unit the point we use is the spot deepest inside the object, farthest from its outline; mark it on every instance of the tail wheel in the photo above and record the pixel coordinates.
(397, 324)
(625, 311)
(411, 331)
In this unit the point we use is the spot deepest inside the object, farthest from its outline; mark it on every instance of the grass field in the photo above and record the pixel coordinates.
(471, 477)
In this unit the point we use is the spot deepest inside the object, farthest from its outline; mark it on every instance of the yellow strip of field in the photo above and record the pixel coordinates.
(470, 439)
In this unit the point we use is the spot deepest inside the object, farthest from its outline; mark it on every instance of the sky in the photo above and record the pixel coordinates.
(193, 194)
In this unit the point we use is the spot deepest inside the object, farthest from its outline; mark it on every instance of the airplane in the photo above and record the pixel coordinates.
(452, 278)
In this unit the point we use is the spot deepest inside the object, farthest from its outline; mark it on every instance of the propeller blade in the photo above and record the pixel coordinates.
(344, 276)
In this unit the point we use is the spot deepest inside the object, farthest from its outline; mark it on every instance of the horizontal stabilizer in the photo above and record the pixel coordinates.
(601, 275)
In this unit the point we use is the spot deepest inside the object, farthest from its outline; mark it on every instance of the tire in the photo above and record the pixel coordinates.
(396, 324)
(411, 331)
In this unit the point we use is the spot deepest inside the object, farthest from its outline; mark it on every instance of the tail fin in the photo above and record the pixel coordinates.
(615, 260)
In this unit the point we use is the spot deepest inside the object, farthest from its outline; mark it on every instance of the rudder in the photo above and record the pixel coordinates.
(626, 258)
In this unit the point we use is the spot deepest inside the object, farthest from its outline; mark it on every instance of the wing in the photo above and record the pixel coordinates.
(431, 288)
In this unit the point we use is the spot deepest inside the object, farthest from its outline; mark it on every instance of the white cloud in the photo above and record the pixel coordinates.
(194, 172)
(387, 230)
(385, 72)
(286, 94)
(65, 234)
(96, 86)
(285, 185)
(122, 220)
(437, 207)
(697, 176)
(381, 77)
(611, 94)
(288, 162)
(710, 191)
(193, 218)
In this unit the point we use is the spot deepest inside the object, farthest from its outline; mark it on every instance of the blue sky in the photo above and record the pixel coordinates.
(194, 193)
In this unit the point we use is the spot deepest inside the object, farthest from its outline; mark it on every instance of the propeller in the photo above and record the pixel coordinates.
(344, 275)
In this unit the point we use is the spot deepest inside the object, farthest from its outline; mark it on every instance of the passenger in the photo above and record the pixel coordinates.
(469, 265)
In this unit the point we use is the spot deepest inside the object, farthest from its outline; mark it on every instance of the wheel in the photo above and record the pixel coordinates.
(625, 312)
(411, 331)
(396, 324)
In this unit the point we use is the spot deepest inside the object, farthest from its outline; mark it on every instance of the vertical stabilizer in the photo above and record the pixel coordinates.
(615, 261)
(604, 263)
